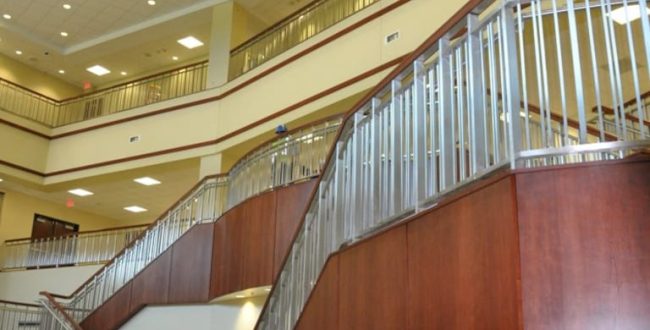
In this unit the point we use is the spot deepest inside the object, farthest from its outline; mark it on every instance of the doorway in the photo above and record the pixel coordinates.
(44, 227)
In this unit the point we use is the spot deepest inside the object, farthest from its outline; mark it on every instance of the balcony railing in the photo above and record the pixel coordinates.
(293, 30)
(462, 109)
(15, 316)
(76, 249)
(265, 168)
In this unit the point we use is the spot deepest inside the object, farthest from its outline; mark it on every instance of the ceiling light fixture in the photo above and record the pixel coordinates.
(1, 180)
(67, 6)
(190, 42)
(19, 52)
(6, 16)
(147, 181)
(151, 2)
(622, 17)
(135, 209)
(175, 58)
(98, 70)
(123, 73)
(64, 34)
(61, 71)
(80, 192)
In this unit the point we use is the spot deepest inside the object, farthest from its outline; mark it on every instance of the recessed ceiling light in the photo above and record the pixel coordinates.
(67, 6)
(175, 58)
(151, 2)
(240, 296)
(64, 34)
(190, 42)
(622, 17)
(6, 16)
(98, 70)
(147, 181)
(61, 71)
(123, 73)
(135, 209)
(1, 180)
(80, 192)
(19, 52)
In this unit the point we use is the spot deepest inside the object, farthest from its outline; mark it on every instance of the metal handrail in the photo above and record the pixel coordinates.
(76, 249)
(295, 29)
(437, 123)
(205, 203)
(15, 315)
(187, 80)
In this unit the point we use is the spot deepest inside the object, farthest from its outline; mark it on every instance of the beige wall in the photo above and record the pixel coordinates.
(347, 57)
(244, 26)
(35, 80)
(24, 286)
(22, 148)
(18, 214)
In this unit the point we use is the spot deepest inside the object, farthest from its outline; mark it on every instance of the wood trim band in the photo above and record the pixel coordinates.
(25, 129)
(83, 233)
(249, 81)
(225, 137)
(59, 308)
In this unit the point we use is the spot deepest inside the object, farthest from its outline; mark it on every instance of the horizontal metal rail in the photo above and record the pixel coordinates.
(295, 29)
(507, 85)
(15, 316)
(82, 248)
(303, 150)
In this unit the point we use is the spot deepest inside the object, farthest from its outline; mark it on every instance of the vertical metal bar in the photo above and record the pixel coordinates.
(635, 74)
(419, 133)
(446, 89)
(645, 26)
(375, 182)
(524, 85)
(577, 73)
(511, 81)
(594, 72)
(396, 148)
(475, 87)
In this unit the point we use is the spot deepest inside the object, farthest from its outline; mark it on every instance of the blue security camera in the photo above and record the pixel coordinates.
(282, 128)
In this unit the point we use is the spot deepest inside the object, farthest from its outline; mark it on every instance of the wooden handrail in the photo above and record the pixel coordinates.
(80, 233)
(60, 309)
(630, 117)
(275, 25)
(633, 100)
(160, 218)
(29, 90)
(18, 303)
(287, 133)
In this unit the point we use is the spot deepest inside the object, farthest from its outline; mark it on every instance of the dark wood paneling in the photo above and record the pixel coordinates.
(191, 265)
(321, 311)
(113, 313)
(585, 247)
(258, 242)
(228, 254)
(291, 203)
(463, 263)
(151, 286)
(373, 283)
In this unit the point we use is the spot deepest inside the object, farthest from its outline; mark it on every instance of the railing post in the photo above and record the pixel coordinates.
(511, 79)
(396, 147)
(446, 90)
(475, 89)
(419, 134)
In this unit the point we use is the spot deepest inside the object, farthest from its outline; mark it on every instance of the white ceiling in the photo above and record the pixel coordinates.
(121, 35)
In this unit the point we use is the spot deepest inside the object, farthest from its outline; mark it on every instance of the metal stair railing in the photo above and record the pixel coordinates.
(438, 123)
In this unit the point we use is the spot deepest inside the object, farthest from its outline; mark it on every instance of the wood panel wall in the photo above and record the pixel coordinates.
(556, 248)
(241, 250)
(585, 247)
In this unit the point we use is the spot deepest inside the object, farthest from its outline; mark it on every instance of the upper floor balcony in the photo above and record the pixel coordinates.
(293, 30)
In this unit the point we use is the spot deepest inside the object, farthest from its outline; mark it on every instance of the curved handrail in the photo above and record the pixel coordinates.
(133, 262)
(58, 311)
(431, 127)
